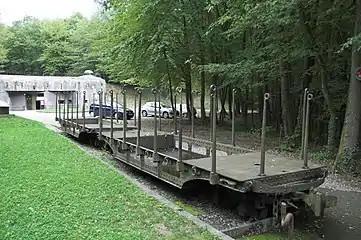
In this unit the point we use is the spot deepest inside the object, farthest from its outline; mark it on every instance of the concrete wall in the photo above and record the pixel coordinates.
(17, 101)
(49, 99)
(50, 86)
(4, 96)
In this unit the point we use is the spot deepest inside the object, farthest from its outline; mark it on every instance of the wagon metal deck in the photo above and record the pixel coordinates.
(245, 167)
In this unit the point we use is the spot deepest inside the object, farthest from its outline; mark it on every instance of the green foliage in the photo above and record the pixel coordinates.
(52, 189)
(57, 47)
(24, 47)
(279, 46)
(3, 50)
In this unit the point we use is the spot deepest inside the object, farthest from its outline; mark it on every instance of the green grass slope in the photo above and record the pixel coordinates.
(51, 189)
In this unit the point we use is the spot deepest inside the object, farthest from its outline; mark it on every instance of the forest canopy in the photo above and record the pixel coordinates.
(275, 46)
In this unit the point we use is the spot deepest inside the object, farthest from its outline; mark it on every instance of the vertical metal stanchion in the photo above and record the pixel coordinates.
(64, 109)
(180, 140)
(140, 153)
(180, 165)
(67, 110)
(135, 110)
(72, 112)
(117, 102)
(125, 122)
(56, 106)
(111, 115)
(192, 121)
(139, 120)
(175, 112)
(307, 123)
(263, 138)
(303, 121)
(77, 109)
(83, 112)
(155, 146)
(214, 177)
(160, 115)
(234, 117)
(211, 113)
(59, 107)
(67, 107)
(100, 93)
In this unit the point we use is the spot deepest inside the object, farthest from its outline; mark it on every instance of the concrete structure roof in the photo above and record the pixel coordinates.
(50, 83)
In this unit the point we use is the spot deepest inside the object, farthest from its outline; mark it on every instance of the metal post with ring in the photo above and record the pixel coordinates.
(307, 125)
(111, 115)
(263, 138)
(214, 177)
(180, 165)
(56, 106)
(83, 112)
(125, 120)
(139, 91)
(303, 120)
(192, 120)
(77, 109)
(155, 146)
(72, 112)
(64, 109)
(175, 112)
(100, 93)
(234, 91)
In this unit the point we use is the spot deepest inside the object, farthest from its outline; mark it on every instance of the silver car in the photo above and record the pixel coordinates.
(163, 110)
(185, 110)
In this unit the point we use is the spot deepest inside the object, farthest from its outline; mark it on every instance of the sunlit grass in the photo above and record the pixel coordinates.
(51, 189)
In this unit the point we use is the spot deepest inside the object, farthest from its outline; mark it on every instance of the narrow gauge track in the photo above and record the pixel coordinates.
(265, 189)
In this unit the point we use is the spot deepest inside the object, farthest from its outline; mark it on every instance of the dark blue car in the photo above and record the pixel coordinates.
(107, 111)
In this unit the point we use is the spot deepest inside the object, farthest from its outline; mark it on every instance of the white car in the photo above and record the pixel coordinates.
(163, 110)
(184, 110)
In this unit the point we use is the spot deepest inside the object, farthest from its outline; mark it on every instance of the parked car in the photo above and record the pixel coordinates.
(163, 110)
(185, 111)
(117, 111)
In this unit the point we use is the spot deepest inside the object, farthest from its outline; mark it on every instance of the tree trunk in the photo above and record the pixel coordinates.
(203, 92)
(223, 97)
(349, 143)
(230, 107)
(332, 123)
(304, 83)
(170, 84)
(285, 96)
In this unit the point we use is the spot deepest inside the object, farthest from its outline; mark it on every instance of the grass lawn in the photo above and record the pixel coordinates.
(51, 189)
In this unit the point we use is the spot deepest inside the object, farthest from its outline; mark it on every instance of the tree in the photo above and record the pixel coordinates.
(349, 148)
(24, 47)
(3, 50)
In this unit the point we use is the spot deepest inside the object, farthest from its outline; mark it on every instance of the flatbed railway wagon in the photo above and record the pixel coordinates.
(263, 185)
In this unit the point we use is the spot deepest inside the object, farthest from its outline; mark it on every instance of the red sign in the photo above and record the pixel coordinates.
(358, 74)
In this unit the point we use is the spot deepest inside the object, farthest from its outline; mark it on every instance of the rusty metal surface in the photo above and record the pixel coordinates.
(245, 167)
(208, 144)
